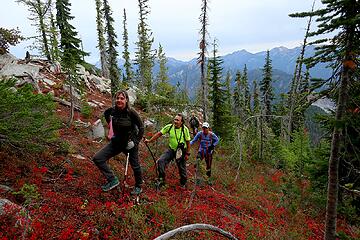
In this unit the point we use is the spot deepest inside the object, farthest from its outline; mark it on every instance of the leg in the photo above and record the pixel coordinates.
(164, 160)
(134, 162)
(208, 160)
(100, 159)
(182, 170)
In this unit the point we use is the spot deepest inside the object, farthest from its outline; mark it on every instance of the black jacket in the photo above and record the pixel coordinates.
(126, 124)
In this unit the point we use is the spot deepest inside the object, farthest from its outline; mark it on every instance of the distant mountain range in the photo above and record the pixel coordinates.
(187, 73)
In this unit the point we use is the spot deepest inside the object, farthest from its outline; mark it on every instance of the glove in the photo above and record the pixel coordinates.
(211, 147)
(130, 145)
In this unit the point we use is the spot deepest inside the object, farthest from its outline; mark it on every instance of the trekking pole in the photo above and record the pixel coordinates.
(153, 157)
(126, 171)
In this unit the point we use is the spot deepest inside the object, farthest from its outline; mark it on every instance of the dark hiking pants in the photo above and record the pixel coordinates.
(208, 161)
(100, 159)
(165, 159)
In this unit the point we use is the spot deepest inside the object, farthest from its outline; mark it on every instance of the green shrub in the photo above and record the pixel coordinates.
(29, 192)
(27, 120)
(86, 110)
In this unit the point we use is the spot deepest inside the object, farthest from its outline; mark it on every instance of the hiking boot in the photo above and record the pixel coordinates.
(110, 185)
(159, 183)
(208, 173)
(136, 191)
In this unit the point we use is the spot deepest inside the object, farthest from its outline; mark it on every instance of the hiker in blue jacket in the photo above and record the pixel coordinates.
(208, 141)
(128, 131)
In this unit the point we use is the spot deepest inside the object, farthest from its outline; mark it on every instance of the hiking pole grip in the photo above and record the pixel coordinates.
(153, 157)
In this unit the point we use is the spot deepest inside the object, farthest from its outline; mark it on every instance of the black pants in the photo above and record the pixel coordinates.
(166, 158)
(110, 150)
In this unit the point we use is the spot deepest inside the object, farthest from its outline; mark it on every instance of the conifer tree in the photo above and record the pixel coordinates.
(126, 54)
(9, 37)
(101, 38)
(70, 45)
(237, 94)
(40, 11)
(54, 42)
(201, 59)
(341, 52)
(163, 87)
(256, 100)
(112, 54)
(245, 87)
(144, 56)
(267, 94)
(218, 95)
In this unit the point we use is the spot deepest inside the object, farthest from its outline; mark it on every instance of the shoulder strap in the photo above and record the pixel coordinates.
(169, 128)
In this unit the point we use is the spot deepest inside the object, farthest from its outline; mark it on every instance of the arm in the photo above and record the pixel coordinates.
(187, 154)
(153, 138)
(139, 123)
(107, 115)
(215, 139)
(195, 139)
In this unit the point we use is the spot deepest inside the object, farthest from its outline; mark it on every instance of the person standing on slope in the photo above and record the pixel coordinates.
(128, 131)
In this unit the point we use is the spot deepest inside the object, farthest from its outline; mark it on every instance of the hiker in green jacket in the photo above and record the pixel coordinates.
(179, 148)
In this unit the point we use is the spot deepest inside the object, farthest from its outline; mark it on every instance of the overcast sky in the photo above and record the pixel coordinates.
(253, 25)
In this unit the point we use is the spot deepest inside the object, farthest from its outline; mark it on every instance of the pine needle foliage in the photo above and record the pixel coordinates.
(27, 120)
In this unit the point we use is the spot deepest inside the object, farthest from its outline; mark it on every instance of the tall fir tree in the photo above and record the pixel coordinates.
(341, 52)
(70, 45)
(126, 54)
(144, 56)
(40, 14)
(237, 94)
(202, 56)
(256, 109)
(54, 41)
(162, 86)
(112, 54)
(266, 89)
(101, 38)
(245, 87)
(218, 95)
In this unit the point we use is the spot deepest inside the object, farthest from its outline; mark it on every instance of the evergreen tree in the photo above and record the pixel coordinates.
(342, 53)
(54, 42)
(144, 56)
(237, 94)
(256, 100)
(70, 45)
(201, 59)
(218, 95)
(101, 38)
(267, 94)
(9, 37)
(126, 55)
(112, 54)
(40, 11)
(163, 87)
(245, 87)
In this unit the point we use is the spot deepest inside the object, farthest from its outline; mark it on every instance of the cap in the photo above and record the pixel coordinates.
(205, 125)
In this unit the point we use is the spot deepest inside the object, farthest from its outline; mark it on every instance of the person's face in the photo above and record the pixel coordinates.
(177, 121)
(120, 101)
(205, 130)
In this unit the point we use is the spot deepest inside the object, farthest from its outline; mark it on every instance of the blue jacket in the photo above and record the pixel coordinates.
(205, 141)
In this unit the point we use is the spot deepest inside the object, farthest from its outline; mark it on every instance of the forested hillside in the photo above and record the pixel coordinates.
(278, 136)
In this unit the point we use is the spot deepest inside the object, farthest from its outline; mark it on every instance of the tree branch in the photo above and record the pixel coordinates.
(192, 227)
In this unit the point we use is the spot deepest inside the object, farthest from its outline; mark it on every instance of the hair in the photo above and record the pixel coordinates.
(126, 95)
(182, 118)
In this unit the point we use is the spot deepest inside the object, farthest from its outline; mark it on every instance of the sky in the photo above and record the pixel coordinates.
(253, 25)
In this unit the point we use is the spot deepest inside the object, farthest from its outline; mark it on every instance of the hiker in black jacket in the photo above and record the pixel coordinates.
(194, 124)
(128, 130)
